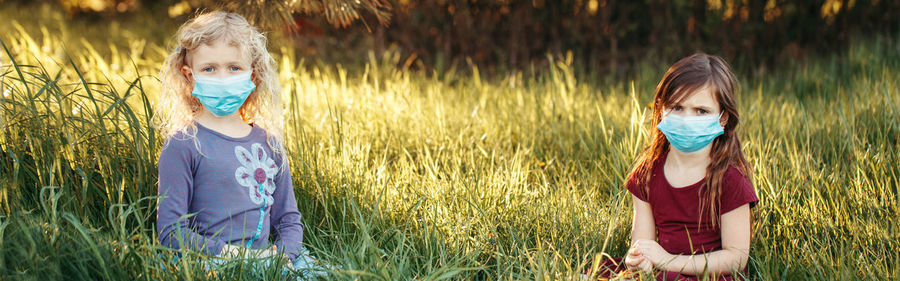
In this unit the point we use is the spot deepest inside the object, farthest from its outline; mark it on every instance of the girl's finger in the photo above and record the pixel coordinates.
(634, 249)
(634, 261)
(645, 265)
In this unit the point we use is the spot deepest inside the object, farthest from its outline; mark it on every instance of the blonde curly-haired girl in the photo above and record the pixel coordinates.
(224, 182)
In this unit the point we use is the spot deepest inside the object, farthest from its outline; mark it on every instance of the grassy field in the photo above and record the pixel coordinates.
(402, 175)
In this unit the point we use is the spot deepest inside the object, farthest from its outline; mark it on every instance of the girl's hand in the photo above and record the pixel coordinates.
(636, 261)
(284, 258)
(264, 253)
(232, 252)
(653, 252)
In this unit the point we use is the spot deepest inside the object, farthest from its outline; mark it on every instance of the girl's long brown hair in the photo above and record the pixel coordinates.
(685, 77)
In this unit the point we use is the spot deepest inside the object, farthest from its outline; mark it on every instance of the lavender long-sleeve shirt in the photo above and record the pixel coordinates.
(210, 199)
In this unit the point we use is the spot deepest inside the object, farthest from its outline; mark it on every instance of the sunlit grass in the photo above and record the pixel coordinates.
(402, 175)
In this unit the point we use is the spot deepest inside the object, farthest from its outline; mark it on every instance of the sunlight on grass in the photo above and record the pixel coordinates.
(402, 175)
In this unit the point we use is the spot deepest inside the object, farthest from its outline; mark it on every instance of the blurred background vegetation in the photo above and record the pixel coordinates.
(502, 35)
(456, 140)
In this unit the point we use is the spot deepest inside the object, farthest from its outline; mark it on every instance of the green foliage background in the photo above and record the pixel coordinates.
(436, 174)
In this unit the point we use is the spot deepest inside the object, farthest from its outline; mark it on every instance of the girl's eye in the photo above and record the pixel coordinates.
(207, 69)
(702, 111)
(235, 68)
(677, 108)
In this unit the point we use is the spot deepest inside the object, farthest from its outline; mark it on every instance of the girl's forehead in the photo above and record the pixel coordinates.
(701, 96)
(218, 51)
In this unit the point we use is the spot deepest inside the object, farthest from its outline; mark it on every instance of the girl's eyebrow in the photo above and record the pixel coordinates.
(216, 64)
(205, 64)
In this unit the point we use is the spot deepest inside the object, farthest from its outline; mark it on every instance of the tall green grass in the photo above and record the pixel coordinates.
(402, 175)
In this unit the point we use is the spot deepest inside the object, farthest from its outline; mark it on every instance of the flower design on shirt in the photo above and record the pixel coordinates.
(256, 170)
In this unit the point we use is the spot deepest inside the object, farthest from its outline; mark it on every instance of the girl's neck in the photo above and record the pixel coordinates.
(695, 159)
(205, 117)
(232, 125)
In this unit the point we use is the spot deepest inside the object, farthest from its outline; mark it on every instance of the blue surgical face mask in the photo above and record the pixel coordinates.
(690, 133)
(223, 96)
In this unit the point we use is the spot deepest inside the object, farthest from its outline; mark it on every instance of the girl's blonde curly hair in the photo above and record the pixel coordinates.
(177, 108)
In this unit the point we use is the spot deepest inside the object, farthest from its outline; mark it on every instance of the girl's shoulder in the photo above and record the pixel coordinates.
(261, 131)
(183, 140)
(641, 178)
(734, 176)
(737, 190)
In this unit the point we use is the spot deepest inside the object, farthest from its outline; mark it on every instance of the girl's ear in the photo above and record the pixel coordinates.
(188, 75)
(724, 119)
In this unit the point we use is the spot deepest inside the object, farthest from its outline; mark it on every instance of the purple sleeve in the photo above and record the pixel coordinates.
(286, 226)
(175, 193)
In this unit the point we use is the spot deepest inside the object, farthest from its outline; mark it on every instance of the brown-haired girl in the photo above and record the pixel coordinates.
(691, 186)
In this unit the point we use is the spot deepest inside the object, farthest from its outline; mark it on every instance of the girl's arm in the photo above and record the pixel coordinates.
(643, 227)
(286, 226)
(175, 191)
(733, 257)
